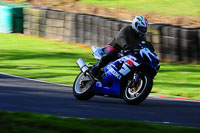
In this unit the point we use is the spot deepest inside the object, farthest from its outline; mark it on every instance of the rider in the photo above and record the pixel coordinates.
(127, 38)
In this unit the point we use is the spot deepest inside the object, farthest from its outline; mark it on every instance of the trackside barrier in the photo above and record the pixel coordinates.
(11, 18)
(172, 43)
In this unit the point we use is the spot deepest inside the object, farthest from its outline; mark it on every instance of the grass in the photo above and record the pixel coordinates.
(22, 122)
(40, 59)
(166, 7)
(17, 3)
(178, 80)
(56, 62)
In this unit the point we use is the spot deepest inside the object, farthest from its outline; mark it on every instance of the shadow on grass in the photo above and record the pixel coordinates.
(49, 70)
(191, 69)
(167, 67)
(75, 67)
(50, 75)
(20, 54)
(183, 85)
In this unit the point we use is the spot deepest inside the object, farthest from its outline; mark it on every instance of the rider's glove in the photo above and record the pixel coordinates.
(127, 47)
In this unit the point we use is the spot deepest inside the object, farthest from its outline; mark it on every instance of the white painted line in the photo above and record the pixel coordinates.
(173, 98)
(72, 117)
(35, 80)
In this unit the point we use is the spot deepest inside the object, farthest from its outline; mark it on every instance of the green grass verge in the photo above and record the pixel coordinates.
(18, 3)
(40, 59)
(56, 62)
(23, 122)
(166, 7)
(178, 80)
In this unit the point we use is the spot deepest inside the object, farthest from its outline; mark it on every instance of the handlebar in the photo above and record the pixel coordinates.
(131, 50)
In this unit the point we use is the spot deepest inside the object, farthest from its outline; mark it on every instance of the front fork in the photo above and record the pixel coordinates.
(133, 82)
(136, 77)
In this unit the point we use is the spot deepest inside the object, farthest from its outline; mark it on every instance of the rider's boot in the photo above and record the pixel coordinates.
(96, 68)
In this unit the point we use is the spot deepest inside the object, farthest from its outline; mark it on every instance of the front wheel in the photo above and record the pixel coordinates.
(138, 93)
(82, 87)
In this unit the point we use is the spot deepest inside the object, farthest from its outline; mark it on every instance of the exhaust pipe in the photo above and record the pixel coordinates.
(84, 68)
(82, 65)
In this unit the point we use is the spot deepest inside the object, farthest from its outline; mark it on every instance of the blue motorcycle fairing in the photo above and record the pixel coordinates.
(111, 82)
(153, 60)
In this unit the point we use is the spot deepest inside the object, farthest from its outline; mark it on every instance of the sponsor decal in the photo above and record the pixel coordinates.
(124, 70)
(117, 75)
(130, 62)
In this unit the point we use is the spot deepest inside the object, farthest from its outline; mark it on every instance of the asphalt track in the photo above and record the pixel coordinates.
(19, 94)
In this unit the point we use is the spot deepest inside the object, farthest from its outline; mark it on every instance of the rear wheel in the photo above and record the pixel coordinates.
(138, 93)
(82, 87)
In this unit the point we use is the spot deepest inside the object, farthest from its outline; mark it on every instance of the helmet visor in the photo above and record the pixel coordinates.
(142, 29)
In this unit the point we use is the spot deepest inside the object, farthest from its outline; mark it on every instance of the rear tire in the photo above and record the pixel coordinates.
(82, 87)
(140, 92)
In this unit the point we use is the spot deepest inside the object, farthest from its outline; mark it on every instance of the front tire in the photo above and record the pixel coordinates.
(136, 95)
(82, 87)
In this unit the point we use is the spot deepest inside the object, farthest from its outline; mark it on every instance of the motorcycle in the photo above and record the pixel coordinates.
(130, 77)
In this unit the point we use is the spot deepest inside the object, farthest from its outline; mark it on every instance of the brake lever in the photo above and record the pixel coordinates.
(136, 50)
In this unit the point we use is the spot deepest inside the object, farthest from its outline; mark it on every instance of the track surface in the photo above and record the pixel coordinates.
(18, 94)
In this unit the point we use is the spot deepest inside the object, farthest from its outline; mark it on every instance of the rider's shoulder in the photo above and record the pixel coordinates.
(127, 27)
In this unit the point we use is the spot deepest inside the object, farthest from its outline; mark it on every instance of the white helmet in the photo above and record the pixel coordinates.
(140, 25)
